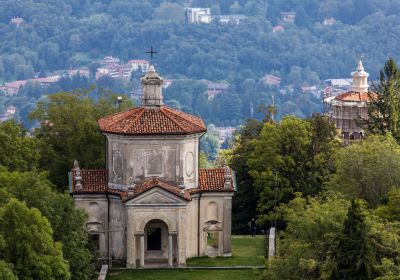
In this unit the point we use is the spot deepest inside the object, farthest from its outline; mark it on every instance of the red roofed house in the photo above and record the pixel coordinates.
(349, 110)
(152, 206)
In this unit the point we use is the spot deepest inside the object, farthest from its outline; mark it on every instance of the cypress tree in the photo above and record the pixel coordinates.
(384, 109)
(355, 255)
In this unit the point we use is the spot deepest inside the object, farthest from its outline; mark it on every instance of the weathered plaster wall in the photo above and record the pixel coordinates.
(135, 159)
(117, 227)
(95, 205)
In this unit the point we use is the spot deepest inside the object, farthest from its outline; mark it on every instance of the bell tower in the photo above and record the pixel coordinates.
(152, 89)
(360, 79)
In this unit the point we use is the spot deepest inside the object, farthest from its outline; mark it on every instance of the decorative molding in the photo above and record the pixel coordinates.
(189, 162)
(117, 165)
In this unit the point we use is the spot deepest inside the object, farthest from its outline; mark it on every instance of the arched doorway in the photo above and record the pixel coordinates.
(158, 244)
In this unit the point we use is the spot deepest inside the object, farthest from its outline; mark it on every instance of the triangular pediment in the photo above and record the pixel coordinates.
(156, 196)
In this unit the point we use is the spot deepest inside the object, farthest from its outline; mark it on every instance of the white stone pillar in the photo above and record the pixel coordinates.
(142, 250)
(170, 248)
(271, 243)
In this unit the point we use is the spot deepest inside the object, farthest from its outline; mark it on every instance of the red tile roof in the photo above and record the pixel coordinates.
(145, 121)
(153, 183)
(95, 181)
(356, 96)
(213, 180)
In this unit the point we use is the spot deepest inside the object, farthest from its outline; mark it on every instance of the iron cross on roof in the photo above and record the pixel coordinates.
(152, 52)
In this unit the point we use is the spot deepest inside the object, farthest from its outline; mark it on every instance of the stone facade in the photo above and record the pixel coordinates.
(152, 206)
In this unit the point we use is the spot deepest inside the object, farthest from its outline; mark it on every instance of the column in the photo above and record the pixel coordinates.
(170, 248)
(226, 225)
(142, 250)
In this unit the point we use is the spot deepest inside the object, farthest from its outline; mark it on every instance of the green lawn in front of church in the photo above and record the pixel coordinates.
(246, 251)
(176, 274)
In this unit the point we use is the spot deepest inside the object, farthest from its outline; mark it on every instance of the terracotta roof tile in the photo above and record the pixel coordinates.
(153, 183)
(92, 181)
(356, 96)
(145, 121)
(213, 180)
(96, 181)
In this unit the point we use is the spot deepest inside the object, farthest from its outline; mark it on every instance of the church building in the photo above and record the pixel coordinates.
(153, 206)
(348, 111)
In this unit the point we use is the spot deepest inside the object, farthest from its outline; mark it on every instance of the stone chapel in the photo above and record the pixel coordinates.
(152, 206)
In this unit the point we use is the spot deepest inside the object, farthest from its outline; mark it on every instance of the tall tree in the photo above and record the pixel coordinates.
(291, 156)
(66, 221)
(355, 254)
(384, 109)
(368, 170)
(18, 151)
(69, 131)
(245, 200)
(28, 244)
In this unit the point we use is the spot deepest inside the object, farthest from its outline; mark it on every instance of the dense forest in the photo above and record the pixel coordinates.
(67, 34)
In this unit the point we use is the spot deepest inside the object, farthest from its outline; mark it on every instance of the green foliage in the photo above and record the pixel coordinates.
(245, 200)
(391, 210)
(69, 131)
(210, 143)
(327, 237)
(29, 245)
(84, 31)
(169, 11)
(18, 151)
(367, 170)
(355, 256)
(384, 110)
(291, 156)
(67, 222)
(6, 271)
(312, 228)
(203, 161)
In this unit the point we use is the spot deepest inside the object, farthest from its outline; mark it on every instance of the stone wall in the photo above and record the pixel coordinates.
(96, 207)
(173, 159)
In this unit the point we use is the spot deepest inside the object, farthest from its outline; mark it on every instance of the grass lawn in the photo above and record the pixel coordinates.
(246, 250)
(247, 274)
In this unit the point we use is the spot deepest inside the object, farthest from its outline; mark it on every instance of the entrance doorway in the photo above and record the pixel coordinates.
(154, 239)
(156, 243)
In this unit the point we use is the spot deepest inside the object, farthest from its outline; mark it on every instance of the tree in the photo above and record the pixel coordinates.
(313, 225)
(18, 151)
(391, 210)
(384, 109)
(328, 237)
(245, 201)
(291, 156)
(69, 131)
(28, 244)
(6, 271)
(169, 11)
(210, 144)
(66, 221)
(367, 170)
(355, 254)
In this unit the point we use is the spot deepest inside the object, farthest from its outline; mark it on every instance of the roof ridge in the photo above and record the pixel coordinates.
(174, 121)
(173, 112)
(142, 110)
(121, 114)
